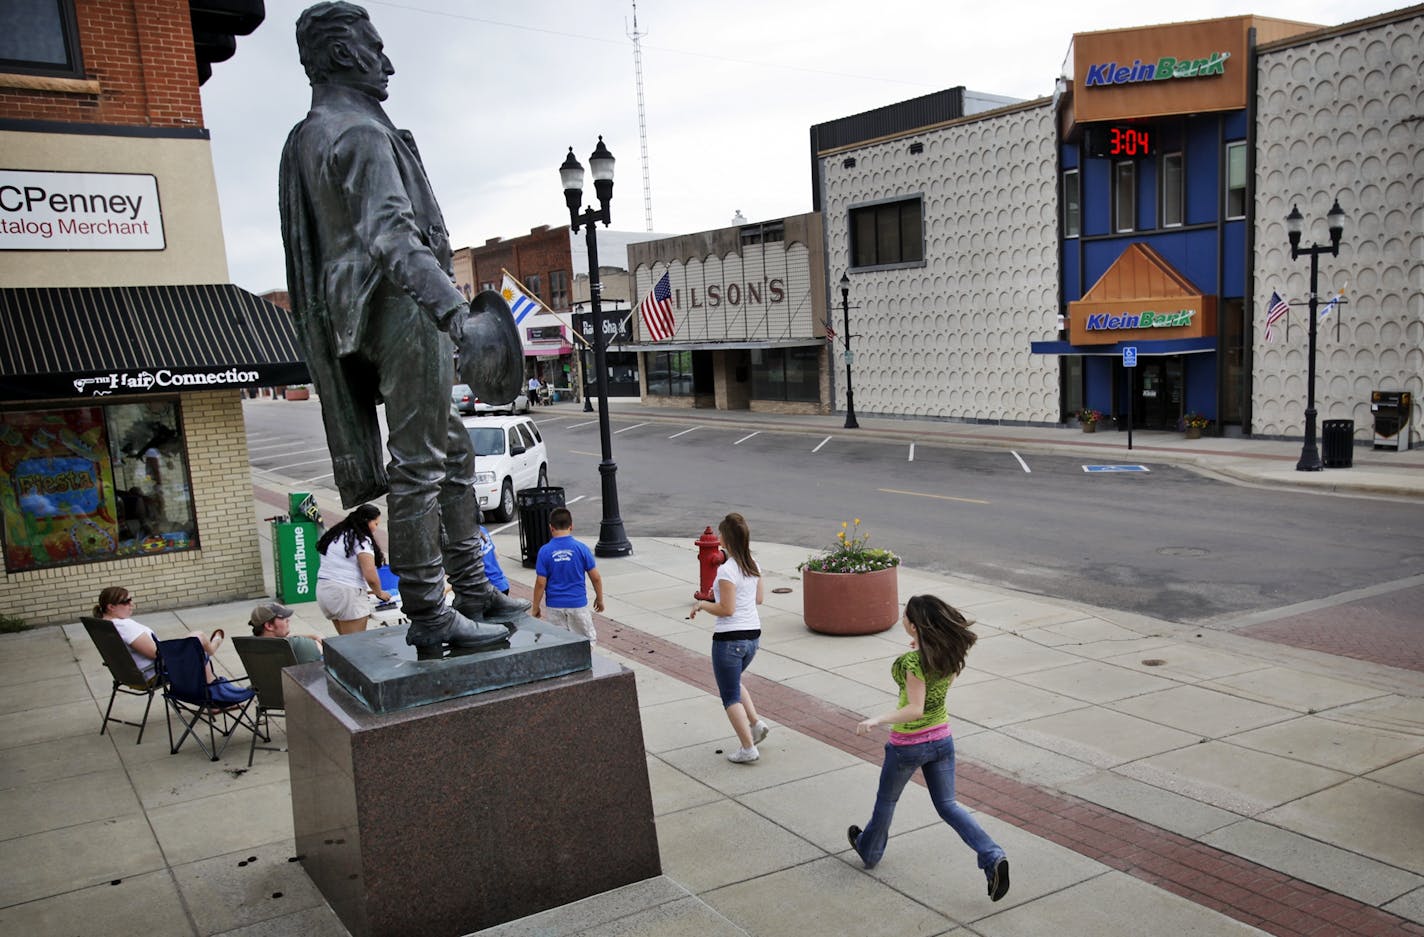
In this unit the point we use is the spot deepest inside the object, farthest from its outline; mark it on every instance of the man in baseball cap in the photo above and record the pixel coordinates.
(275, 621)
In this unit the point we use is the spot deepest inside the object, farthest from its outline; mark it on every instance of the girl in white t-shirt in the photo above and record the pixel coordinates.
(349, 558)
(737, 634)
(116, 604)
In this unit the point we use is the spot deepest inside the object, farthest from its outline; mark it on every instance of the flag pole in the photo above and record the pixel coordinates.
(530, 293)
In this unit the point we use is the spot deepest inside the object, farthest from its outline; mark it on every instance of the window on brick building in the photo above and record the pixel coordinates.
(559, 289)
(535, 286)
(39, 37)
(87, 484)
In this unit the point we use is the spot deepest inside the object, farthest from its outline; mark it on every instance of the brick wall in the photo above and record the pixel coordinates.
(139, 66)
(226, 567)
(540, 252)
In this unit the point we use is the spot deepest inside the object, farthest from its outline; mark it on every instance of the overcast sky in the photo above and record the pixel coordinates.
(496, 91)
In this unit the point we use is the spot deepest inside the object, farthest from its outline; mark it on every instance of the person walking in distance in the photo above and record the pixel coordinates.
(920, 738)
(737, 592)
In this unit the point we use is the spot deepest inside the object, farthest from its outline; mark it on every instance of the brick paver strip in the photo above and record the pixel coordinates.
(1241, 889)
(1244, 890)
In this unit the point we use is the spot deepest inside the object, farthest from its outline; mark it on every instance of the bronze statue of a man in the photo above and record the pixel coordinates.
(380, 320)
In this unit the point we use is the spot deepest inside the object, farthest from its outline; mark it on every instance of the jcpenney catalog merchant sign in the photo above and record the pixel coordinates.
(79, 211)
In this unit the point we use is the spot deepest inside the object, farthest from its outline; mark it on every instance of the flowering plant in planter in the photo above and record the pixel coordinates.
(851, 553)
(1089, 416)
(1194, 420)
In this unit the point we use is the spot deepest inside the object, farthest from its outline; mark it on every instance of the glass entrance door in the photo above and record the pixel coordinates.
(1157, 392)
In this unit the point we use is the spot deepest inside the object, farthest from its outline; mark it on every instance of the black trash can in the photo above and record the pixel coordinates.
(535, 506)
(1337, 440)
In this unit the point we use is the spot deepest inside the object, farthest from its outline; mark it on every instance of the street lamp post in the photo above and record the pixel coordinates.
(612, 541)
(850, 422)
(1295, 222)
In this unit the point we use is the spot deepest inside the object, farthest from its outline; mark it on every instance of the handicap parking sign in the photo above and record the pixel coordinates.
(1129, 356)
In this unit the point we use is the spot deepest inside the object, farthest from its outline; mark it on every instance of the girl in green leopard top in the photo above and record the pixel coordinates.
(920, 739)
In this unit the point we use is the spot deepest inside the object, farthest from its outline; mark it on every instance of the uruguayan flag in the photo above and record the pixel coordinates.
(520, 303)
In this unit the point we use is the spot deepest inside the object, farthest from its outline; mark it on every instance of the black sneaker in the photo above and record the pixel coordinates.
(999, 880)
(853, 834)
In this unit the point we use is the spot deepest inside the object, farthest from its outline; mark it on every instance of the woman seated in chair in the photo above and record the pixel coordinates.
(117, 605)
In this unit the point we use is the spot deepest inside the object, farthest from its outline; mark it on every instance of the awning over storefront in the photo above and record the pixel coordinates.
(1165, 346)
(98, 341)
(722, 346)
(548, 351)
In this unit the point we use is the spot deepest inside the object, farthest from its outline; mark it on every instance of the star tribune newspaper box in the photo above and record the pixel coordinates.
(294, 555)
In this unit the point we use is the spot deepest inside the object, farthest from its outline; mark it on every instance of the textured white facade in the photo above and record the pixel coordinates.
(1342, 116)
(950, 339)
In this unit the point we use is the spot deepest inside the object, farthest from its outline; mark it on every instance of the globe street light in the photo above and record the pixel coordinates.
(612, 541)
(850, 422)
(1295, 222)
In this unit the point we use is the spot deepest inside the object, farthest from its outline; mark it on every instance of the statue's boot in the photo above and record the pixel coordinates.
(491, 354)
(446, 626)
(490, 604)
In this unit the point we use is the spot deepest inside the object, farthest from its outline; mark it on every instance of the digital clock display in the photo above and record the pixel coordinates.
(1117, 141)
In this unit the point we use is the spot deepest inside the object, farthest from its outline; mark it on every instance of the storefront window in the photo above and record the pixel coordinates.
(85, 484)
(670, 374)
(786, 374)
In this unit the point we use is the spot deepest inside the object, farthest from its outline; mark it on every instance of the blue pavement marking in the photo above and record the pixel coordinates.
(1116, 468)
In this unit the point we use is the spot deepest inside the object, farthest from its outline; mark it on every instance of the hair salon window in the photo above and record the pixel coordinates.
(85, 484)
(1236, 180)
(786, 374)
(670, 374)
(40, 37)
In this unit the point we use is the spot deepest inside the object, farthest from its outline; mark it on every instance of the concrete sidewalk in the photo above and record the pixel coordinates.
(1144, 778)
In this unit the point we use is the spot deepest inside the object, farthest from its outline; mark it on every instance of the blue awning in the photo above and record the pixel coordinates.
(1160, 346)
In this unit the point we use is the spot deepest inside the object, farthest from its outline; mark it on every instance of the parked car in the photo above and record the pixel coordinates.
(510, 456)
(519, 404)
(463, 398)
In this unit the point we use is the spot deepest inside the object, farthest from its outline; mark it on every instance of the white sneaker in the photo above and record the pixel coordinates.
(759, 732)
(744, 756)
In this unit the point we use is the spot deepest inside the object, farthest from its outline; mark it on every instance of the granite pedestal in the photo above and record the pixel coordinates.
(458, 815)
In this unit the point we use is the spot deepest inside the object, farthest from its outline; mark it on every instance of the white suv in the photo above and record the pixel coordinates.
(510, 456)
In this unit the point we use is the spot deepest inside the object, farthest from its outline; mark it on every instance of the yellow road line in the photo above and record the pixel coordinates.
(921, 494)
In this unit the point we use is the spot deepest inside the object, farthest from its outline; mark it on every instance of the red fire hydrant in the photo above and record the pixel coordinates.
(710, 555)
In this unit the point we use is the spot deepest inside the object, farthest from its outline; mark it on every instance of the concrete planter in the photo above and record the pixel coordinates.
(1090, 427)
(1193, 432)
(850, 603)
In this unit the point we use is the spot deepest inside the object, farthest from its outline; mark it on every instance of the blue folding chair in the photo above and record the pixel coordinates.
(222, 705)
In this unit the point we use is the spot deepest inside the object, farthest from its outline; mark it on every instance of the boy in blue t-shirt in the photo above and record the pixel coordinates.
(493, 572)
(561, 567)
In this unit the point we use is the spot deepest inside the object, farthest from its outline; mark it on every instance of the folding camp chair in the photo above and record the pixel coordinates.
(127, 676)
(263, 659)
(189, 695)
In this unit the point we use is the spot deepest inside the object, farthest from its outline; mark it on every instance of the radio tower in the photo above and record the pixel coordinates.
(642, 118)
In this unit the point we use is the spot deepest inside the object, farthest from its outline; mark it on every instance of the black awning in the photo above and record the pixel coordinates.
(96, 341)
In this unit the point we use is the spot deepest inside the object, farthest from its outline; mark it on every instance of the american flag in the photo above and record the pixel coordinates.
(1275, 311)
(656, 311)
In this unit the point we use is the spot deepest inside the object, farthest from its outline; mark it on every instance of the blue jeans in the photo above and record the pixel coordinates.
(936, 760)
(729, 660)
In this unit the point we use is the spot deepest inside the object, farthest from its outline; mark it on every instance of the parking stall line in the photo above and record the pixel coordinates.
(584, 423)
(299, 443)
(291, 465)
(310, 481)
(746, 437)
(596, 455)
(683, 433)
(912, 453)
(1021, 461)
(626, 428)
(925, 494)
(821, 443)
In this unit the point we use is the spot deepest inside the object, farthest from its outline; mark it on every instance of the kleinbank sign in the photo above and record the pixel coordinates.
(79, 211)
